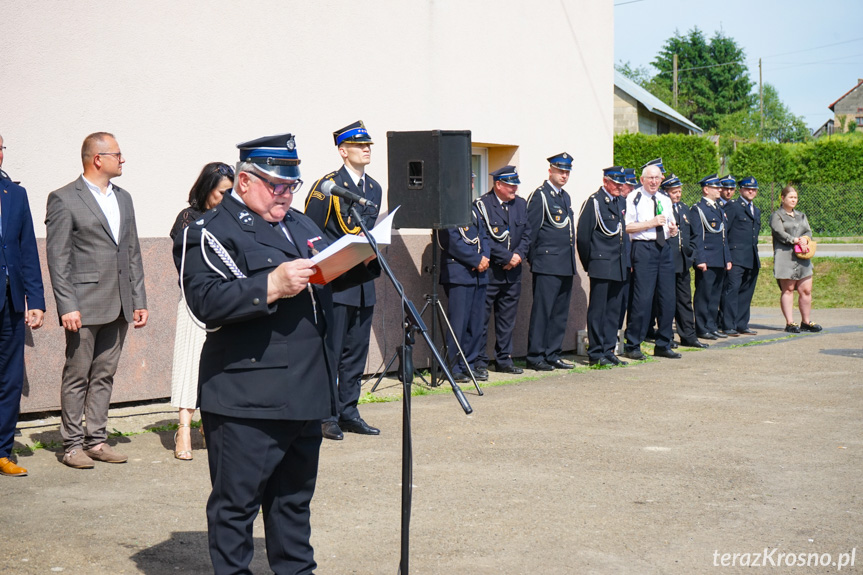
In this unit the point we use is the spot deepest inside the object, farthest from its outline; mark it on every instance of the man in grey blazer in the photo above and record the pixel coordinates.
(94, 261)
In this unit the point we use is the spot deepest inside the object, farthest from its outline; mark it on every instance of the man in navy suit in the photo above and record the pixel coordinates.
(267, 374)
(743, 225)
(463, 264)
(354, 307)
(504, 214)
(552, 265)
(603, 249)
(23, 303)
(711, 257)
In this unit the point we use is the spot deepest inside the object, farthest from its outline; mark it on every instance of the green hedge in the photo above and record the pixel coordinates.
(689, 157)
(823, 161)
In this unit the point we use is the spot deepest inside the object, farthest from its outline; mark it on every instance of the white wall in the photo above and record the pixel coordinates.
(180, 83)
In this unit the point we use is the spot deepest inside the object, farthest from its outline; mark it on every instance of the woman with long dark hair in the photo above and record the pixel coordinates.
(215, 180)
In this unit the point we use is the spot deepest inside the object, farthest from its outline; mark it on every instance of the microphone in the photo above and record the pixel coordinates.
(329, 187)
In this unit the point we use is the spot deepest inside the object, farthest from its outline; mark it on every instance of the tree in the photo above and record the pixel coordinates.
(640, 75)
(780, 125)
(713, 79)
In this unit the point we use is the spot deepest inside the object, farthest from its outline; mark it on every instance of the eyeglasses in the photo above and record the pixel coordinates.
(653, 177)
(280, 189)
(225, 170)
(2, 148)
(118, 155)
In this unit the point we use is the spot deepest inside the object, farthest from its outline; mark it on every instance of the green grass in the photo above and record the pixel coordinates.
(836, 283)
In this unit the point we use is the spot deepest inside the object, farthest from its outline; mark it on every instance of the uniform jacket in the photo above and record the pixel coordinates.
(19, 257)
(266, 361)
(742, 233)
(332, 214)
(552, 250)
(498, 222)
(683, 244)
(90, 272)
(709, 248)
(602, 241)
(462, 249)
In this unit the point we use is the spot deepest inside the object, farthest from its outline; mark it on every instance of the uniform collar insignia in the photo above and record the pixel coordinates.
(246, 218)
(200, 222)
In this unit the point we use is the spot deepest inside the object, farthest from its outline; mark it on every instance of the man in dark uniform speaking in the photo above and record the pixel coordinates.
(552, 265)
(267, 374)
(354, 307)
(603, 249)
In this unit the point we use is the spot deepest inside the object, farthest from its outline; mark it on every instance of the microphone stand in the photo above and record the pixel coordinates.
(413, 324)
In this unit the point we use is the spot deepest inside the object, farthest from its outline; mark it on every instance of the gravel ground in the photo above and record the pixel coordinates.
(660, 467)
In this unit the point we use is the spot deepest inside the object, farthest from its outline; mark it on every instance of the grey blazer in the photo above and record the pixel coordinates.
(90, 272)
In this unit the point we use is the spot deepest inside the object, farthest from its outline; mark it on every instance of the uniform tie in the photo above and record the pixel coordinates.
(660, 230)
(361, 187)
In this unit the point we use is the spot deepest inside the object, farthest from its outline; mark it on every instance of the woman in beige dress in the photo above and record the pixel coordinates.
(214, 181)
(791, 231)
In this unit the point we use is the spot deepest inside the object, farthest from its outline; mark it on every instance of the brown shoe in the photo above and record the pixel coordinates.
(8, 467)
(106, 454)
(77, 459)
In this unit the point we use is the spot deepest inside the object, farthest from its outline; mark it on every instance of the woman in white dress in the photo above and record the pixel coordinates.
(214, 181)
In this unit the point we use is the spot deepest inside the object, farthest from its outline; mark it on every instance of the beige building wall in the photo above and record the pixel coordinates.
(625, 112)
(850, 109)
(180, 83)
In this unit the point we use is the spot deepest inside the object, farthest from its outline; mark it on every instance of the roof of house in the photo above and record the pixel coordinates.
(860, 81)
(652, 103)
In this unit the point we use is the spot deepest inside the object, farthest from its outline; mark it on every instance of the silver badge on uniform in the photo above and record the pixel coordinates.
(200, 222)
(246, 218)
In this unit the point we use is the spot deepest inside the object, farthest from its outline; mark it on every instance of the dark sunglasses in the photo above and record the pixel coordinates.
(225, 170)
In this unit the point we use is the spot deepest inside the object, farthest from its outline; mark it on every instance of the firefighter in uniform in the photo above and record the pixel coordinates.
(552, 265)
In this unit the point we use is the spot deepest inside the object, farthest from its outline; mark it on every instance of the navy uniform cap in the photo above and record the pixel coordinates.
(749, 182)
(355, 133)
(671, 181)
(615, 174)
(561, 161)
(728, 182)
(275, 156)
(712, 181)
(657, 162)
(507, 175)
(631, 178)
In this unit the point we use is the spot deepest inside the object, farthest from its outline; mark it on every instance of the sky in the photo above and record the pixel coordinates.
(811, 52)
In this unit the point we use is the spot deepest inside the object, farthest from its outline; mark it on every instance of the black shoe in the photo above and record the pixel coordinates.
(635, 354)
(613, 359)
(460, 377)
(17, 432)
(480, 372)
(331, 430)
(509, 369)
(706, 335)
(731, 332)
(601, 362)
(668, 353)
(792, 328)
(561, 364)
(480, 376)
(673, 345)
(357, 425)
(747, 331)
(814, 327)
(694, 343)
(719, 334)
(540, 366)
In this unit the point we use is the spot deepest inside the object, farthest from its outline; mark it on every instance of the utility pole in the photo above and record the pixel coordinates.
(674, 73)
(761, 99)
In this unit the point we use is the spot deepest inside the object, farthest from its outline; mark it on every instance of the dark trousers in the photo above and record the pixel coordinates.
(352, 329)
(626, 297)
(11, 370)
(262, 464)
(684, 315)
(464, 302)
(606, 297)
(92, 356)
(739, 289)
(652, 274)
(502, 299)
(548, 314)
(708, 288)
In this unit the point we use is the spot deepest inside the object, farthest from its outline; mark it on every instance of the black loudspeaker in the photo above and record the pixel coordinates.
(429, 177)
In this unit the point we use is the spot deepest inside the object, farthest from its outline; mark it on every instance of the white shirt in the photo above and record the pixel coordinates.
(109, 206)
(644, 212)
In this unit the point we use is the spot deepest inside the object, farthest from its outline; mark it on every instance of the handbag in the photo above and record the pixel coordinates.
(811, 246)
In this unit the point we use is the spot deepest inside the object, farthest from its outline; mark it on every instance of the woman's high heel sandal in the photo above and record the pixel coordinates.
(185, 455)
